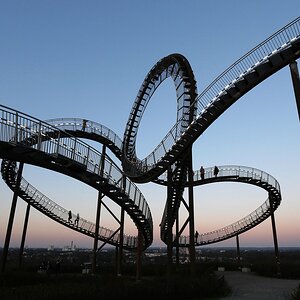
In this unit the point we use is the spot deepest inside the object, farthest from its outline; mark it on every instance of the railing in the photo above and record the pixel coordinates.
(62, 214)
(19, 128)
(230, 230)
(278, 41)
(87, 126)
(240, 173)
(233, 171)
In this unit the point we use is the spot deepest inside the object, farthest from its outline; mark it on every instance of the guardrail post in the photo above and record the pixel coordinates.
(11, 217)
(58, 141)
(74, 150)
(39, 141)
(16, 129)
(24, 234)
(296, 83)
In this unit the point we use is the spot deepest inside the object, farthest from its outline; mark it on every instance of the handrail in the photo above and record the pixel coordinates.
(63, 214)
(19, 128)
(279, 40)
(87, 126)
(239, 174)
(275, 43)
(229, 170)
(235, 228)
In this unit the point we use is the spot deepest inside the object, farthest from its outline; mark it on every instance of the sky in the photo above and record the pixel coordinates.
(87, 59)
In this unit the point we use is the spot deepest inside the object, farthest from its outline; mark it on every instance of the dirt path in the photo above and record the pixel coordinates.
(249, 286)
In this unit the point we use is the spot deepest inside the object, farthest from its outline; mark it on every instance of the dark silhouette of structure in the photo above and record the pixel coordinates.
(56, 145)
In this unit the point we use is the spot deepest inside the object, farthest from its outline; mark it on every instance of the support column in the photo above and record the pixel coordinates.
(99, 202)
(177, 241)
(121, 242)
(169, 228)
(24, 234)
(139, 255)
(277, 259)
(238, 255)
(296, 83)
(94, 261)
(191, 212)
(120, 252)
(11, 217)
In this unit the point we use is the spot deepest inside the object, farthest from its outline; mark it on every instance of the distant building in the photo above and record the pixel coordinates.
(71, 247)
(50, 248)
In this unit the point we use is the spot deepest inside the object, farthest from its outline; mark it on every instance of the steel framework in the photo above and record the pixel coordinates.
(56, 145)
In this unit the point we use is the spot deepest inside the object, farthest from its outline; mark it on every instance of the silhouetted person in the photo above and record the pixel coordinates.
(202, 172)
(70, 217)
(196, 236)
(84, 121)
(76, 220)
(216, 171)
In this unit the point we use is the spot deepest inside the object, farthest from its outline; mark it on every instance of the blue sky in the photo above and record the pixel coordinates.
(88, 59)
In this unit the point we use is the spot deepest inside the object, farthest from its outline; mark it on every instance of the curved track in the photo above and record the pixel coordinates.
(242, 174)
(32, 141)
(258, 64)
(233, 174)
(56, 212)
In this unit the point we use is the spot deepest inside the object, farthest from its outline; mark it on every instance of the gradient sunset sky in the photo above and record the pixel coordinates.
(87, 59)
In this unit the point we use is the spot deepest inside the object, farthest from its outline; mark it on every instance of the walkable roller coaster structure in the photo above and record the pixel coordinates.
(57, 145)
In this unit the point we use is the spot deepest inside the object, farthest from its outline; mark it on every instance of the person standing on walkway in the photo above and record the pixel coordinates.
(70, 217)
(216, 171)
(202, 172)
(84, 121)
(76, 220)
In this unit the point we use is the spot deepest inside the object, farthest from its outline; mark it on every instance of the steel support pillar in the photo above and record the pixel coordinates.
(98, 212)
(139, 255)
(277, 259)
(238, 254)
(120, 250)
(191, 212)
(24, 234)
(121, 242)
(169, 228)
(11, 217)
(296, 83)
(97, 226)
(177, 241)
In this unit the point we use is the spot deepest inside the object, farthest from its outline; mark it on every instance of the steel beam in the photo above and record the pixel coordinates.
(11, 217)
(169, 218)
(177, 239)
(191, 211)
(238, 254)
(139, 255)
(277, 259)
(97, 226)
(98, 212)
(121, 241)
(24, 234)
(296, 83)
